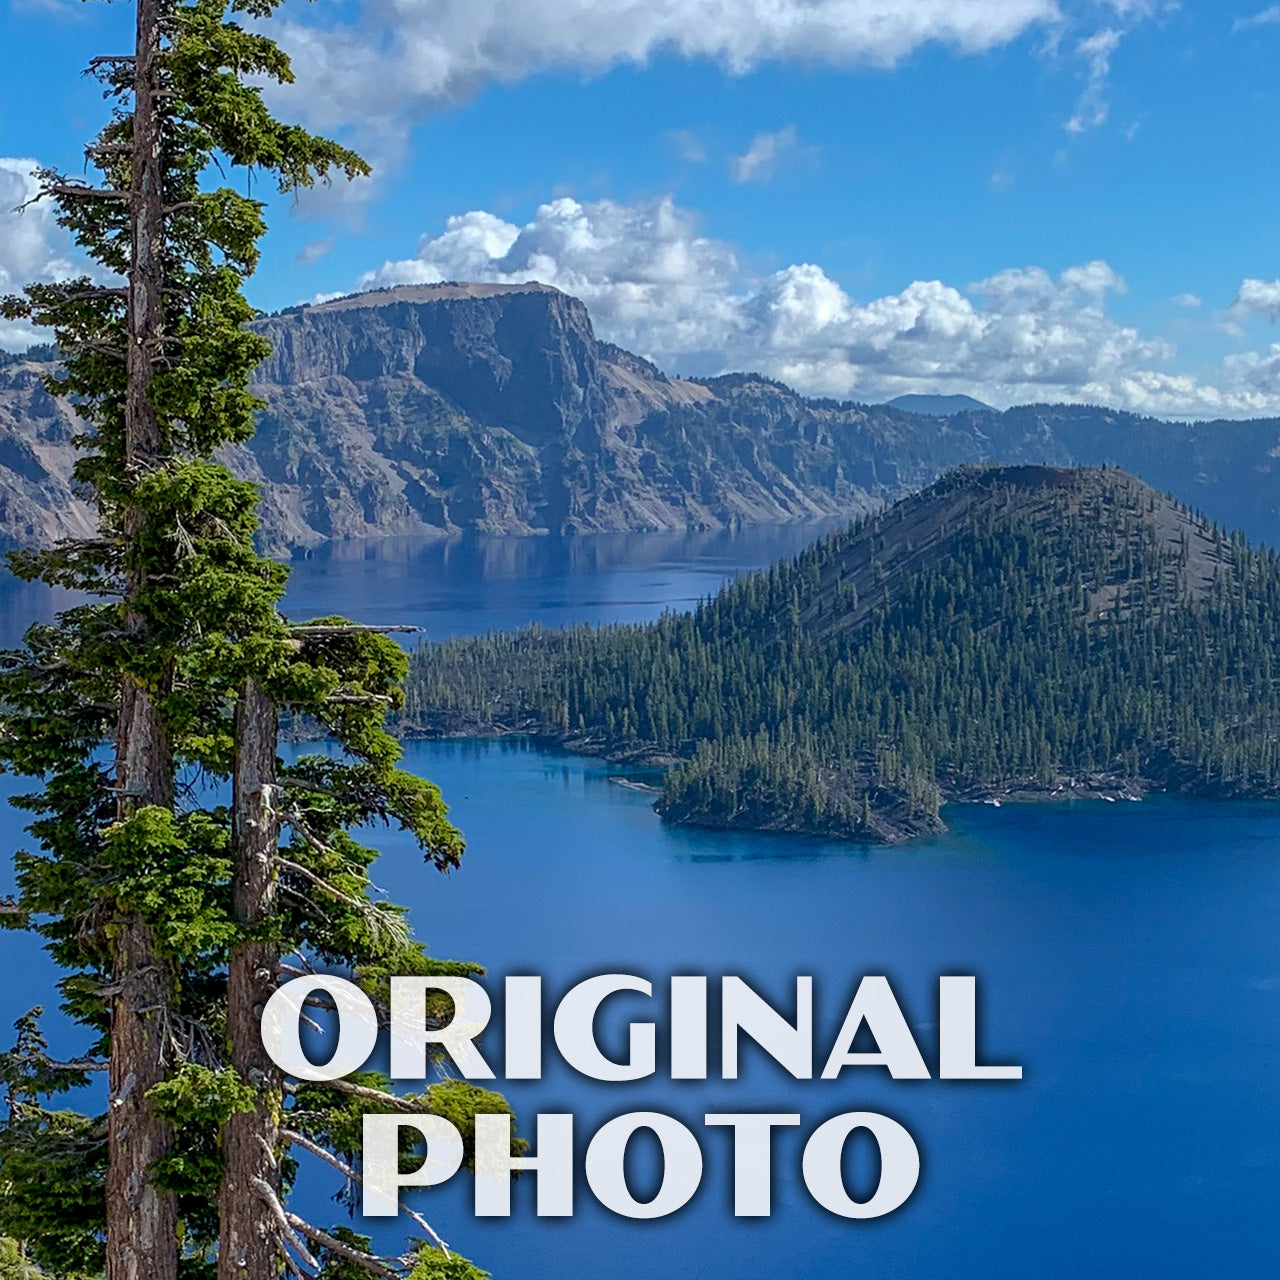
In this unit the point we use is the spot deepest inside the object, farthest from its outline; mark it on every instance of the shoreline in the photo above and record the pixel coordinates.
(889, 828)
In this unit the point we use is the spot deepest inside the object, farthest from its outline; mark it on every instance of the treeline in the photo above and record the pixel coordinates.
(41, 353)
(1098, 631)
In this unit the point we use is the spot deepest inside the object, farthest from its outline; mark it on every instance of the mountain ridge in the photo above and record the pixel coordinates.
(433, 410)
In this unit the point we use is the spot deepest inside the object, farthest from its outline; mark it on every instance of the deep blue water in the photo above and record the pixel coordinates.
(1128, 957)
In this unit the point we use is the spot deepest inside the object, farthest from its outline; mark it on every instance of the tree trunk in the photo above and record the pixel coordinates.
(142, 1221)
(249, 1242)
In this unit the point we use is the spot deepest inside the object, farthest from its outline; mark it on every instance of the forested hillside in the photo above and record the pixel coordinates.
(1007, 631)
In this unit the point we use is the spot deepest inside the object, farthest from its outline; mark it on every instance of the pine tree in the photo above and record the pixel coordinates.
(168, 909)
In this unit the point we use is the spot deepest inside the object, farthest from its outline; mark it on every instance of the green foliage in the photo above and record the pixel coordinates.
(1065, 626)
(52, 1162)
(184, 608)
(432, 1264)
(459, 1102)
(336, 1119)
(13, 1266)
(197, 1101)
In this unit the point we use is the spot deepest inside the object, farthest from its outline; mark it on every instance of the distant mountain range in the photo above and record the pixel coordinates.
(434, 409)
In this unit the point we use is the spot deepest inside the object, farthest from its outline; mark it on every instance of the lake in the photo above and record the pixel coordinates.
(1128, 957)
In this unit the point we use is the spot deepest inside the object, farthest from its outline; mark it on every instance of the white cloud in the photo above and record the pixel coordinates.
(399, 58)
(1096, 50)
(1265, 18)
(32, 246)
(656, 284)
(1257, 298)
(1191, 301)
(314, 251)
(1259, 371)
(760, 160)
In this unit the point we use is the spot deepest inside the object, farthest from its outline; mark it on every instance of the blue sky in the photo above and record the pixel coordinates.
(1021, 199)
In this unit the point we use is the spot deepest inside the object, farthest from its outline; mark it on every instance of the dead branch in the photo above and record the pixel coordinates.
(300, 1140)
(392, 1100)
(78, 1064)
(292, 1267)
(78, 190)
(266, 1193)
(297, 869)
(87, 295)
(395, 926)
(375, 1266)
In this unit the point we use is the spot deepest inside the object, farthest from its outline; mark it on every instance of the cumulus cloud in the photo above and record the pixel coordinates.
(656, 284)
(760, 160)
(1264, 18)
(32, 246)
(1191, 301)
(1257, 298)
(399, 58)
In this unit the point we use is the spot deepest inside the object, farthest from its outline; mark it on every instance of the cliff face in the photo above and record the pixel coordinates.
(433, 409)
(444, 408)
(37, 504)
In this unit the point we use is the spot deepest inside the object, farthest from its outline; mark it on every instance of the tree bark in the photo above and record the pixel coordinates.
(249, 1242)
(142, 1221)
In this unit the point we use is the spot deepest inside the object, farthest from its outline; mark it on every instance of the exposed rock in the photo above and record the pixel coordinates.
(434, 409)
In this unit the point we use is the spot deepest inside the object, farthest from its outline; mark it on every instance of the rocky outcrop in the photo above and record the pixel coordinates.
(38, 504)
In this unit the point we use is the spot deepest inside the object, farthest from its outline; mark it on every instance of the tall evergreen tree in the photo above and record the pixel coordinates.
(168, 909)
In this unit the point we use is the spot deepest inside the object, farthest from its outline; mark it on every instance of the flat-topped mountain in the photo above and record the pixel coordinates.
(434, 409)
(936, 406)
(1009, 632)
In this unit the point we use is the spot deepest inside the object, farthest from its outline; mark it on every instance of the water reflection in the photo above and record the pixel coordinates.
(470, 585)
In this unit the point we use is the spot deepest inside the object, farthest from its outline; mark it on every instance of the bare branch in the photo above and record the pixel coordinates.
(392, 1100)
(87, 295)
(375, 1266)
(75, 190)
(300, 1140)
(375, 917)
(311, 1022)
(102, 348)
(264, 1191)
(293, 1268)
(271, 1155)
(79, 1064)
(320, 883)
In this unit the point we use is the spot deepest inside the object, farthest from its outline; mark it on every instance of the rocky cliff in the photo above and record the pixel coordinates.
(442, 408)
